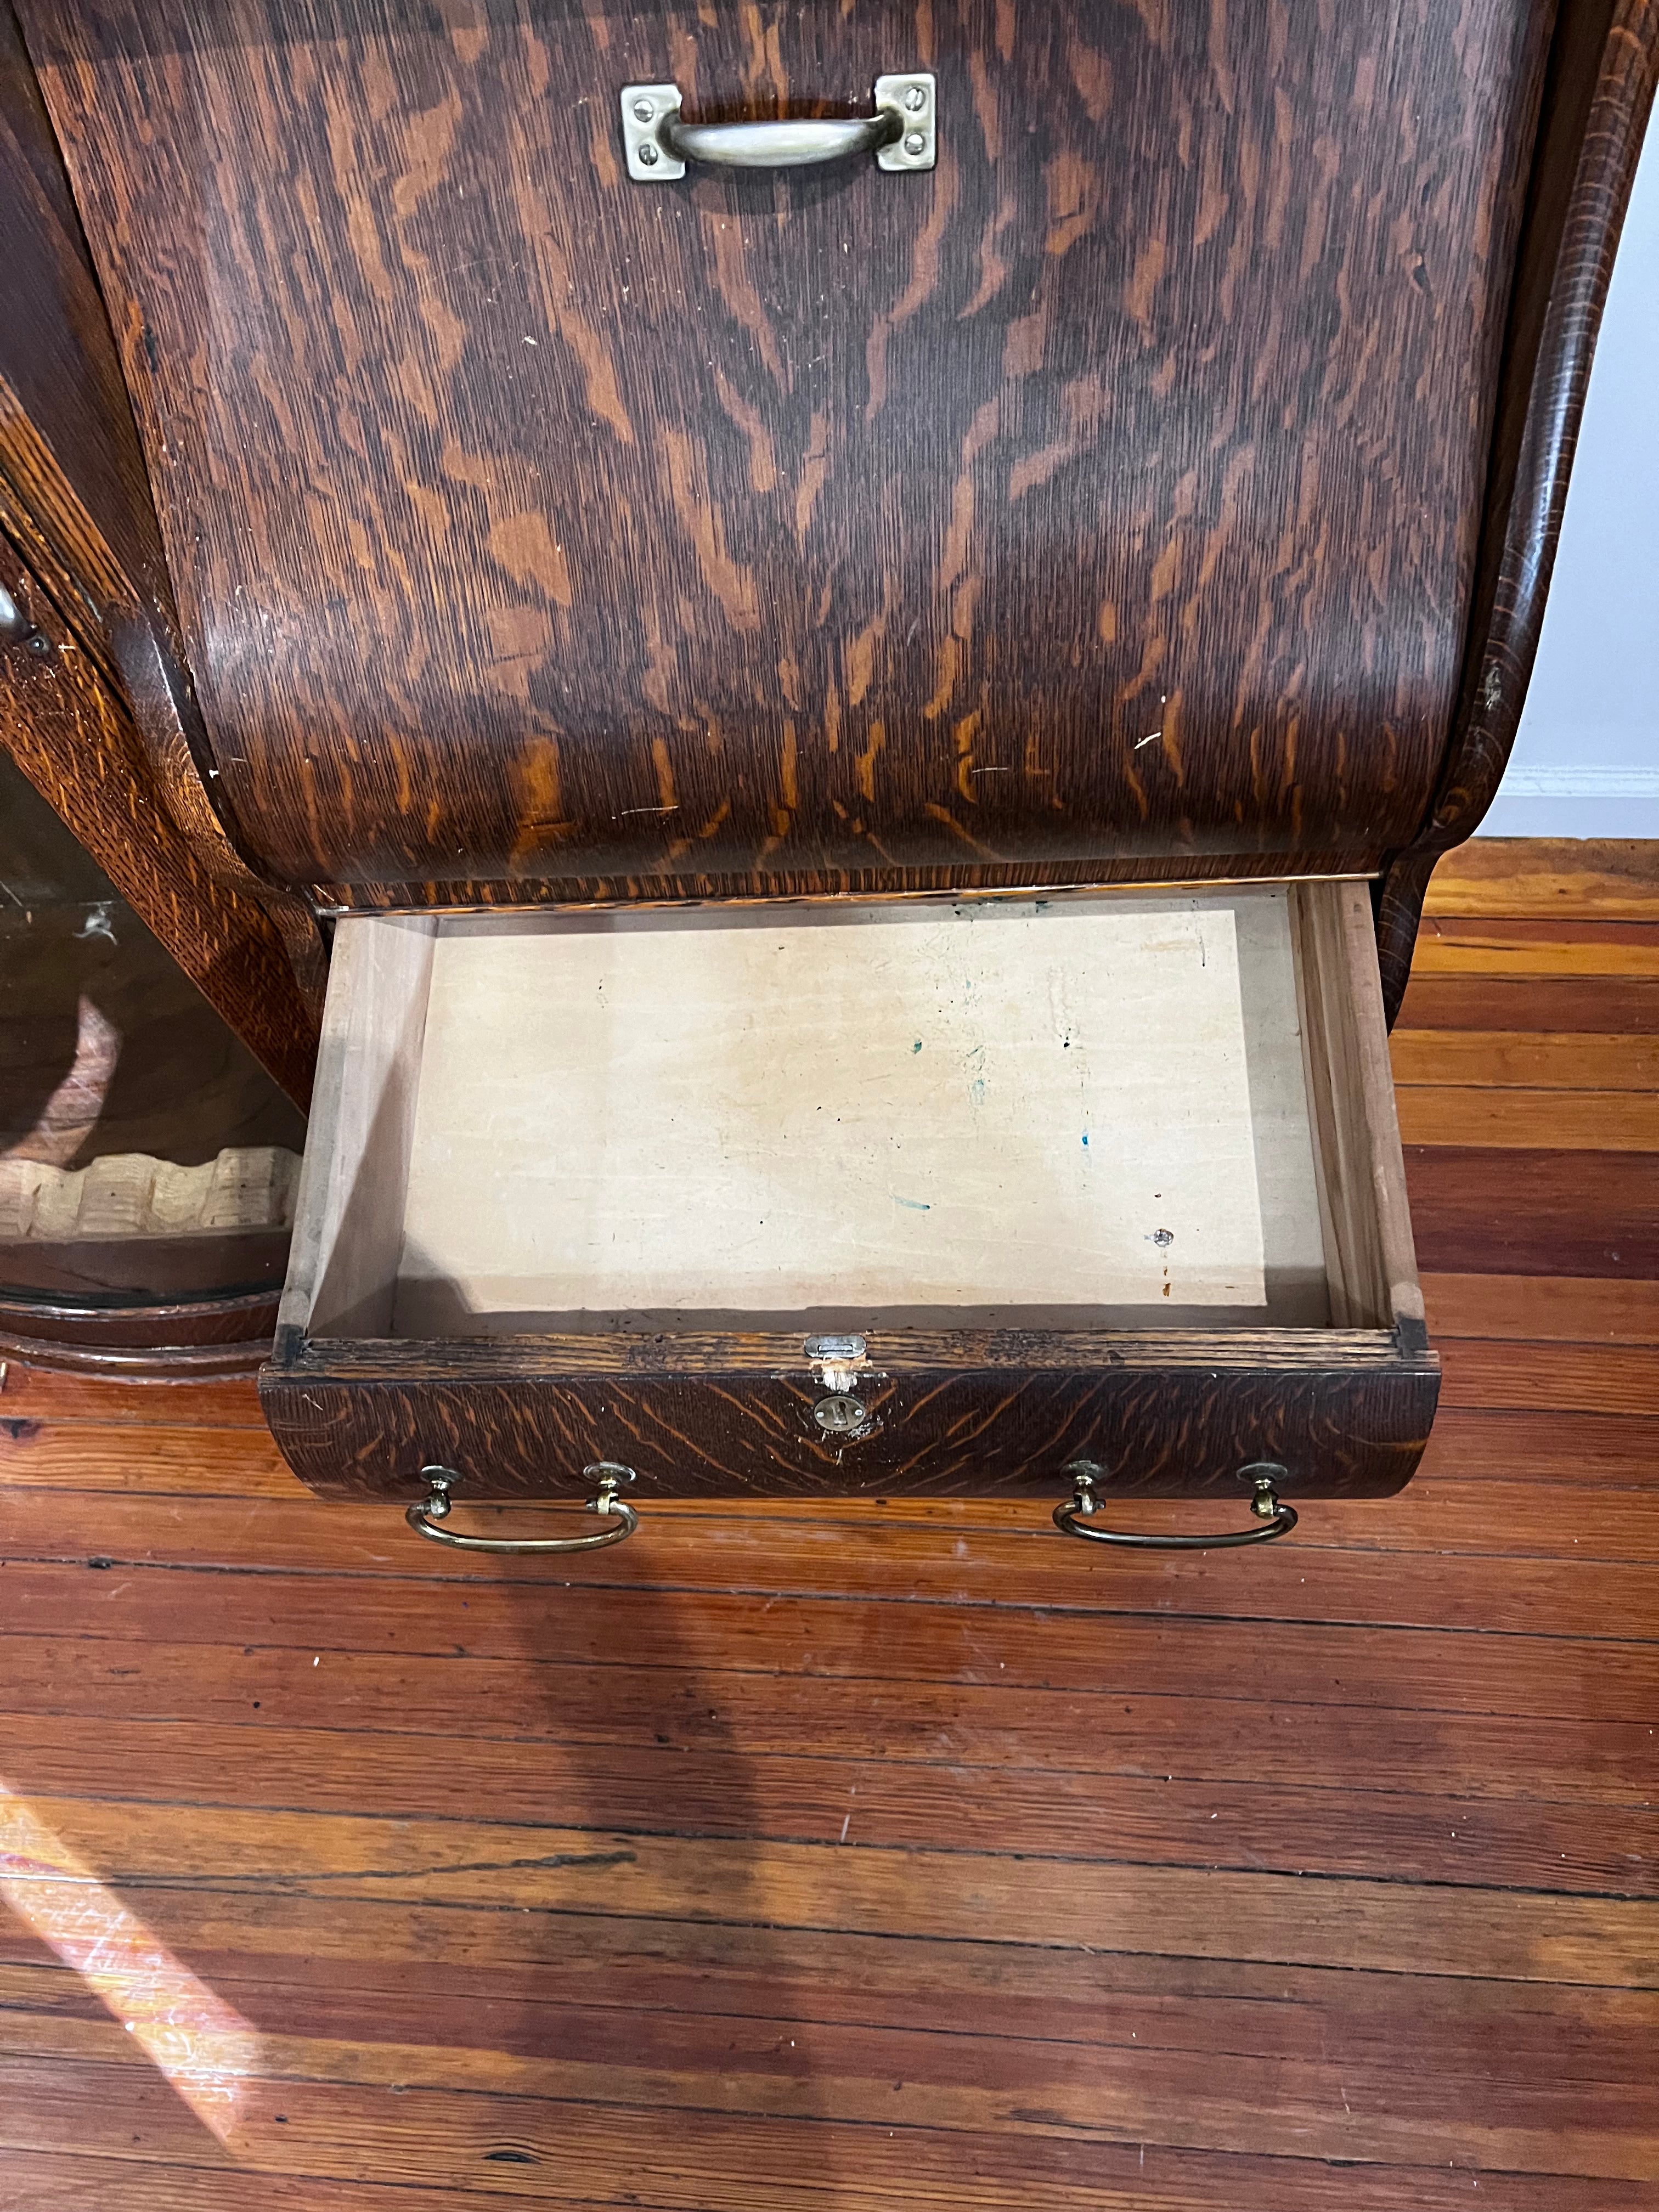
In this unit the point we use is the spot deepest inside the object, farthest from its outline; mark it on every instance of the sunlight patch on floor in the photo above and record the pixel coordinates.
(203, 2046)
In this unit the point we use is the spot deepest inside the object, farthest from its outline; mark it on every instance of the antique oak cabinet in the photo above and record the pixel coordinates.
(861, 623)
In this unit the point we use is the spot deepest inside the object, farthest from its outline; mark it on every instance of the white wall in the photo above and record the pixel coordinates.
(1586, 762)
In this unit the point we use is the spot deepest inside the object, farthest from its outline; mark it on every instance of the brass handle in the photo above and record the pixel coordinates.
(659, 143)
(802, 145)
(607, 1473)
(1273, 1518)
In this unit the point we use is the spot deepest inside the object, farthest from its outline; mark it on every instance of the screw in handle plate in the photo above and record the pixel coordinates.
(610, 1474)
(1085, 1473)
(438, 1481)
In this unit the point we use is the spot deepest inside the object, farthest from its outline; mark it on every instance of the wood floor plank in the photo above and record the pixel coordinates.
(1517, 1376)
(1380, 1926)
(1609, 877)
(1495, 1306)
(1562, 1121)
(52, 1454)
(1548, 1060)
(46, 1451)
(41, 1393)
(1571, 1451)
(573, 2154)
(893, 2077)
(1451, 945)
(144, 1458)
(378, 1966)
(69, 2181)
(1537, 1212)
(1568, 1307)
(1241, 1734)
(1513, 1596)
(1417, 1824)
(1576, 1677)
(86, 1459)
(1334, 1824)
(1402, 1577)
(1442, 1512)
(1601, 1005)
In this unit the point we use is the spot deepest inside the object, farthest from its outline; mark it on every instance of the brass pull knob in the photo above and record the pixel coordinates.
(1273, 1517)
(608, 1473)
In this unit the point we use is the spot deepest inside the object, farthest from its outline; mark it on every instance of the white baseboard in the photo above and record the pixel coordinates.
(1618, 782)
(1579, 801)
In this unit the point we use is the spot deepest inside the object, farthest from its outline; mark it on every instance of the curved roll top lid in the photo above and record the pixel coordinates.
(1103, 501)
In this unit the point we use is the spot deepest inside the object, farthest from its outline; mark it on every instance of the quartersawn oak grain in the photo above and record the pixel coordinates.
(520, 1428)
(1132, 356)
(75, 499)
(1598, 90)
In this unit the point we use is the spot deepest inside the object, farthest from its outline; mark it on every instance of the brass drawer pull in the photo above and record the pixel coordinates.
(606, 1473)
(1272, 1518)
(658, 144)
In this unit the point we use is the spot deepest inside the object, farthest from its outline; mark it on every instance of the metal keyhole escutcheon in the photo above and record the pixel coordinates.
(841, 1415)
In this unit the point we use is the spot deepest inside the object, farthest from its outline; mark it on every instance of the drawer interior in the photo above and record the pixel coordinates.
(1116, 1110)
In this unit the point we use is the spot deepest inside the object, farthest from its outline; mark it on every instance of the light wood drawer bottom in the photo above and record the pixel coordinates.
(1114, 1177)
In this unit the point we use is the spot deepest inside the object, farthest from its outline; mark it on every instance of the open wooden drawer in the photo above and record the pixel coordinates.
(845, 1201)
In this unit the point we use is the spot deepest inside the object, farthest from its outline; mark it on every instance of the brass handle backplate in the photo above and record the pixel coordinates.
(901, 133)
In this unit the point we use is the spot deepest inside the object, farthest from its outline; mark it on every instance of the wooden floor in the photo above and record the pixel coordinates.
(896, 1858)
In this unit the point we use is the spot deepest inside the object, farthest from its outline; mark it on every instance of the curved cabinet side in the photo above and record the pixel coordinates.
(1598, 93)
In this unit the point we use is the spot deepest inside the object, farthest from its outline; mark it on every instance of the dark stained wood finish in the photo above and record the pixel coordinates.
(74, 498)
(63, 402)
(1347, 1412)
(1603, 67)
(228, 1335)
(878, 1855)
(1103, 504)
(155, 1270)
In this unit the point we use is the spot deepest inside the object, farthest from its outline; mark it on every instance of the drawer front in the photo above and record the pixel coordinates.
(1157, 1430)
(538, 528)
